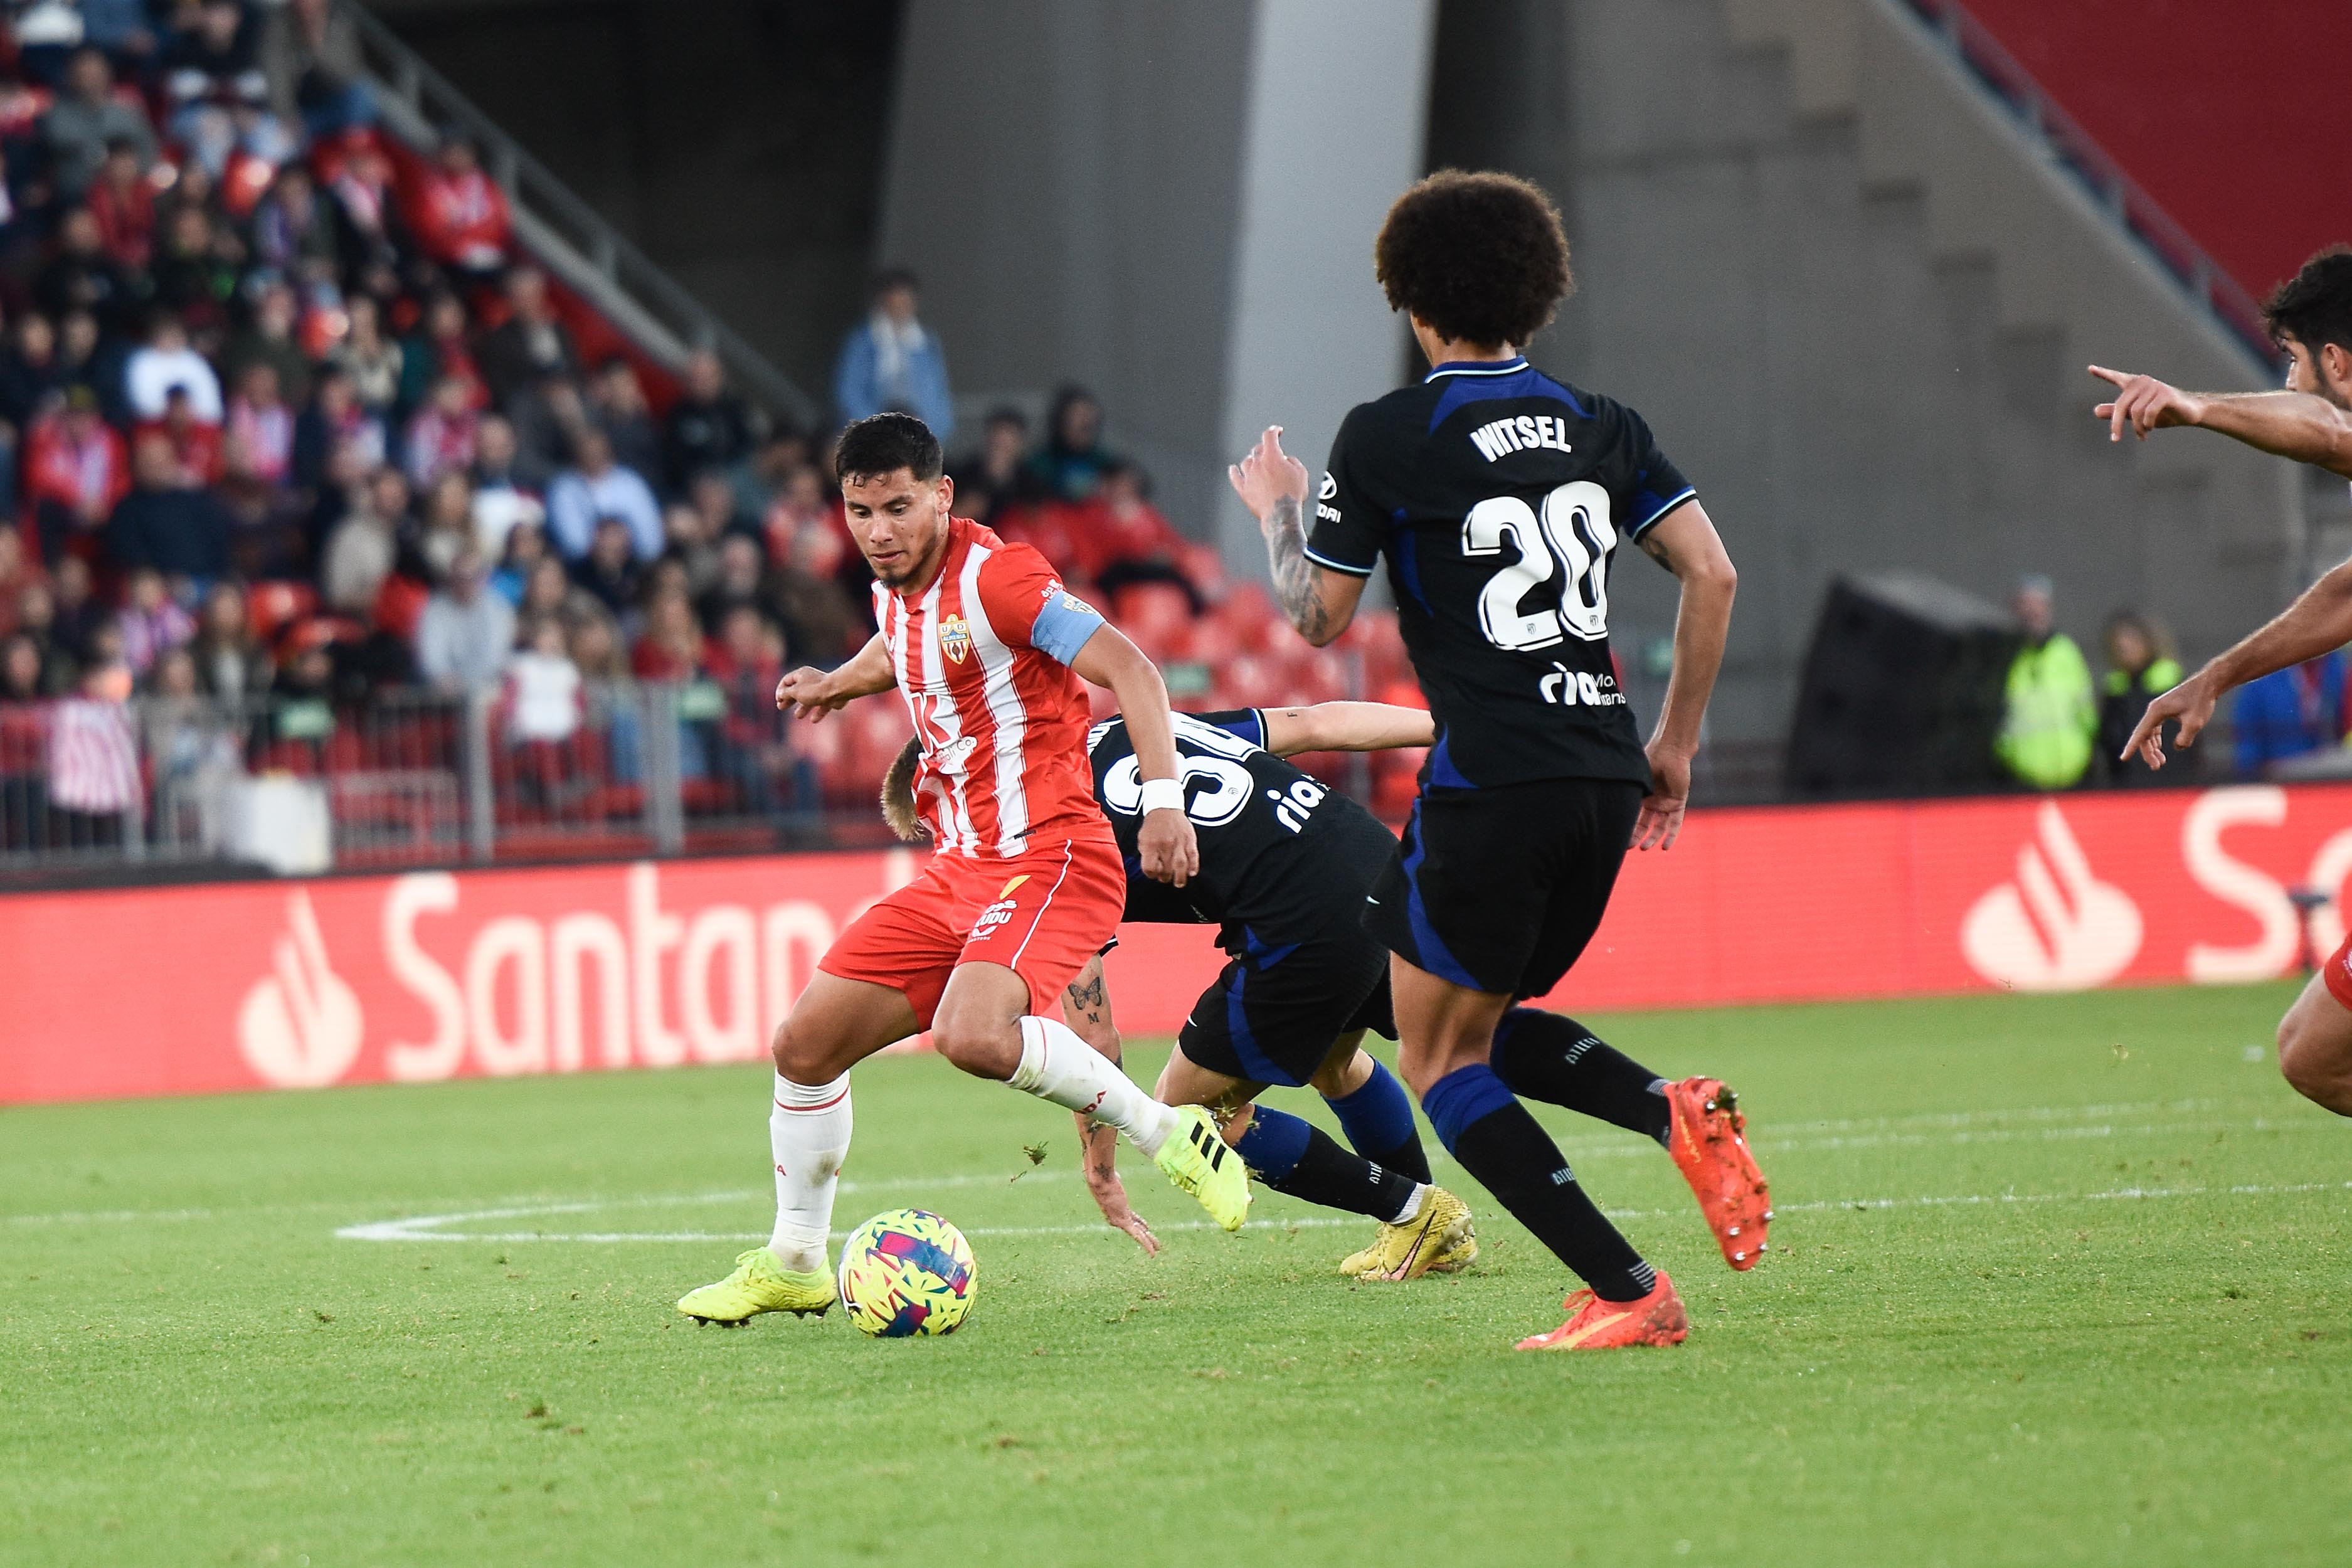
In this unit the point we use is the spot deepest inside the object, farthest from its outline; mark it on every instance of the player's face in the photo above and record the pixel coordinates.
(2309, 373)
(901, 523)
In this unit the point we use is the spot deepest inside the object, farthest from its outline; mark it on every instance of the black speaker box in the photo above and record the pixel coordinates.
(1901, 692)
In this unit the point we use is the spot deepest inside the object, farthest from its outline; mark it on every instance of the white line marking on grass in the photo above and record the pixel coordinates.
(432, 1227)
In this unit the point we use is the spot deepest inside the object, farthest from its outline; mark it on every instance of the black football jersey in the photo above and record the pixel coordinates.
(1500, 497)
(1284, 857)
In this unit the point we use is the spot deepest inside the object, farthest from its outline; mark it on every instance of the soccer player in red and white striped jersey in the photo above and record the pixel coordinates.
(988, 649)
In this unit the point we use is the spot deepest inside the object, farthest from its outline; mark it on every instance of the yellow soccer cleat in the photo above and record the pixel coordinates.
(1438, 1239)
(1197, 1160)
(759, 1284)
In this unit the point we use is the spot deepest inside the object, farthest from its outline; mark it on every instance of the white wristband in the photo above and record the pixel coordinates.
(1162, 794)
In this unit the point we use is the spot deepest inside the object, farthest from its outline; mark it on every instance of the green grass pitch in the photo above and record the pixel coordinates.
(2054, 1280)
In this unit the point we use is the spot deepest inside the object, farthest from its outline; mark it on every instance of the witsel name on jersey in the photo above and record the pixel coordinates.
(1521, 432)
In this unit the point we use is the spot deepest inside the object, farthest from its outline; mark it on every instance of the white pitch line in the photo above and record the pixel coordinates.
(428, 1227)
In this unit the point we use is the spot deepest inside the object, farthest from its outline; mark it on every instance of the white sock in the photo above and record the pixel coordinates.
(808, 1132)
(1056, 1065)
(1406, 1215)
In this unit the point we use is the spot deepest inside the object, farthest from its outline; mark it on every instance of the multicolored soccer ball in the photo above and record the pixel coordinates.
(907, 1272)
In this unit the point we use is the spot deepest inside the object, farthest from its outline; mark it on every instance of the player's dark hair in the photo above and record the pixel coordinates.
(1479, 256)
(2314, 306)
(884, 442)
(898, 793)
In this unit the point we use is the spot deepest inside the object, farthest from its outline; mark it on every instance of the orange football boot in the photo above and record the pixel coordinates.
(1708, 1149)
(1593, 1324)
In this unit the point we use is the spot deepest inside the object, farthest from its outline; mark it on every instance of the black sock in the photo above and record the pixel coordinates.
(1554, 1058)
(1501, 1144)
(1300, 1159)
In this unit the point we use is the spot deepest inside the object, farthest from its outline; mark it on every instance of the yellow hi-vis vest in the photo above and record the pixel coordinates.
(2051, 715)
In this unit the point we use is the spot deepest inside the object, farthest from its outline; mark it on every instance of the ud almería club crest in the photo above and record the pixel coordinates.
(955, 637)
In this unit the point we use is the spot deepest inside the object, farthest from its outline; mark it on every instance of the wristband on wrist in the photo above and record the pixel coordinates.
(1162, 794)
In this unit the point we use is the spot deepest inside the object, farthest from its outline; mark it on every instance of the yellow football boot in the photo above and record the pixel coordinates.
(1197, 1160)
(1438, 1239)
(759, 1284)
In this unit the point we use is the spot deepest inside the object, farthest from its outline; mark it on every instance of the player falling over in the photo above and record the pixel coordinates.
(2310, 318)
(1498, 497)
(1284, 865)
(1025, 887)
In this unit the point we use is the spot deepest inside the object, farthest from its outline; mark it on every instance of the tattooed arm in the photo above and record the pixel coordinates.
(1273, 485)
(1086, 1007)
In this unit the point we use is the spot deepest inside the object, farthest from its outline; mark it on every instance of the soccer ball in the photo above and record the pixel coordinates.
(907, 1272)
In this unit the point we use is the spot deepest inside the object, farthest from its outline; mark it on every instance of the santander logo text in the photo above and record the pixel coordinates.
(625, 981)
(2056, 927)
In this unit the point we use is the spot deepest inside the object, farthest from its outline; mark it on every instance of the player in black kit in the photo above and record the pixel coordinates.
(1499, 497)
(1285, 865)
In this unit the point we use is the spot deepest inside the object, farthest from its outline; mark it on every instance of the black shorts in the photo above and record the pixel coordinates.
(1273, 1013)
(1499, 889)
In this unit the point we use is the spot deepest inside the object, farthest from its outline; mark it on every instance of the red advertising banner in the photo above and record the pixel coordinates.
(440, 975)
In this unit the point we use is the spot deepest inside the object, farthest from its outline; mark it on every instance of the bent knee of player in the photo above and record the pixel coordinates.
(794, 1057)
(978, 1042)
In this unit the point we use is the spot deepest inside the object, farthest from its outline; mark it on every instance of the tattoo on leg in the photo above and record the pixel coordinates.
(1294, 575)
(1088, 997)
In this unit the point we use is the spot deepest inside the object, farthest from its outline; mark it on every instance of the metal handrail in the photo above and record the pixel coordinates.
(432, 101)
(1973, 46)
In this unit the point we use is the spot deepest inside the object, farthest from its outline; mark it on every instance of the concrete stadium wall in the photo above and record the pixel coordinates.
(1856, 309)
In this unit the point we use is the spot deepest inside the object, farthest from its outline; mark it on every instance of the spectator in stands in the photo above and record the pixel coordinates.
(36, 622)
(467, 632)
(257, 437)
(596, 488)
(690, 544)
(1069, 465)
(28, 373)
(170, 523)
(334, 419)
(1129, 540)
(269, 338)
(150, 622)
(122, 204)
(75, 470)
(325, 70)
(366, 545)
(121, 28)
(608, 572)
(164, 361)
(549, 416)
(799, 512)
(79, 275)
(446, 526)
(890, 362)
(93, 758)
(544, 591)
(616, 405)
(708, 426)
(543, 697)
(230, 660)
(80, 619)
(2290, 713)
(15, 573)
(740, 578)
(821, 623)
(530, 344)
(20, 682)
(294, 231)
(218, 100)
(994, 479)
(195, 445)
(457, 213)
(501, 504)
(2140, 669)
(195, 270)
(376, 365)
(442, 436)
(86, 119)
(670, 646)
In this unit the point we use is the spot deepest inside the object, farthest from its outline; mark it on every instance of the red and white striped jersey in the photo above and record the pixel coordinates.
(982, 658)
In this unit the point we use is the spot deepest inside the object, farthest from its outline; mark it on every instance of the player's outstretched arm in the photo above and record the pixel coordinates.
(1086, 1007)
(811, 694)
(1165, 844)
(1273, 485)
(2318, 621)
(2285, 424)
(1684, 542)
(1346, 727)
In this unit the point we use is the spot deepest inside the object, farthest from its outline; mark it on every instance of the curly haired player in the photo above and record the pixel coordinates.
(1498, 497)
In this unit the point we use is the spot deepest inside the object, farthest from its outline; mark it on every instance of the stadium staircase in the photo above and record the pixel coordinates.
(611, 284)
